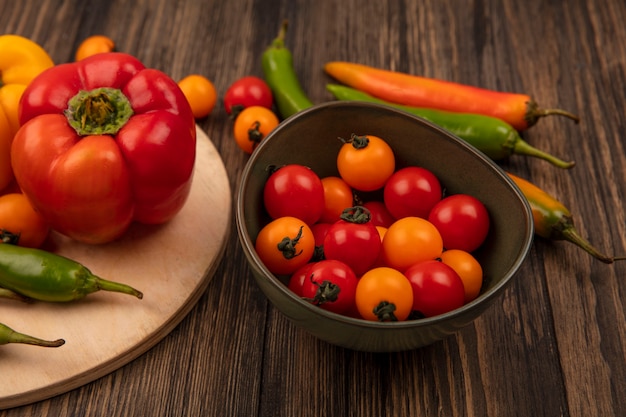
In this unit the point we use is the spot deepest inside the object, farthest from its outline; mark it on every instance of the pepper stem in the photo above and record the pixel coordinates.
(8, 335)
(534, 113)
(106, 285)
(521, 147)
(102, 111)
(571, 235)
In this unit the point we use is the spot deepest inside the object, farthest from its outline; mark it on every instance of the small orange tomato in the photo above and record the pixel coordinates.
(410, 240)
(285, 244)
(384, 294)
(468, 268)
(200, 93)
(252, 125)
(19, 218)
(365, 162)
(93, 45)
(338, 196)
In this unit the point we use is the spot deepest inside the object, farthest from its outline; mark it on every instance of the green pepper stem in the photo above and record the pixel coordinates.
(102, 111)
(521, 147)
(8, 335)
(571, 235)
(107, 285)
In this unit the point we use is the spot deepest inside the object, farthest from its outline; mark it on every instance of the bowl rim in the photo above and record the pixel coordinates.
(478, 303)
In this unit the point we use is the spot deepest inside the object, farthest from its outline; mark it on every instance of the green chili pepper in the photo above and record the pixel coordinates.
(8, 335)
(281, 77)
(45, 276)
(494, 137)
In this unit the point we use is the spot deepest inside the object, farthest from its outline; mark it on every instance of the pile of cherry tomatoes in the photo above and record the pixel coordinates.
(404, 253)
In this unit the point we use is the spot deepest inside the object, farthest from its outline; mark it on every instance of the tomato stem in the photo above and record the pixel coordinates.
(254, 134)
(9, 237)
(327, 291)
(102, 111)
(288, 246)
(384, 311)
(356, 214)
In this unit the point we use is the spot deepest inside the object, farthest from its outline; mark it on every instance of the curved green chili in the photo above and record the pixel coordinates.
(494, 137)
(8, 335)
(281, 77)
(45, 276)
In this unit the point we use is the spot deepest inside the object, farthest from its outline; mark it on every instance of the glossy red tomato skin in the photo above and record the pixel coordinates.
(462, 220)
(338, 274)
(437, 288)
(298, 278)
(379, 212)
(294, 190)
(412, 192)
(356, 244)
(246, 92)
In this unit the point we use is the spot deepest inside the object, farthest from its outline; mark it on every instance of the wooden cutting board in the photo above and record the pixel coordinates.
(171, 264)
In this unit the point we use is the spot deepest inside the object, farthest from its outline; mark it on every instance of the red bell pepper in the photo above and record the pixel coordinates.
(104, 142)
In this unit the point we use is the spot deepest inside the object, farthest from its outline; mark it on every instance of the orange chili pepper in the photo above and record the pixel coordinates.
(553, 220)
(519, 110)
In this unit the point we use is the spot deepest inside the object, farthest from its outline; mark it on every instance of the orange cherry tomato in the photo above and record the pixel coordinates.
(19, 218)
(410, 240)
(93, 45)
(384, 294)
(285, 244)
(200, 93)
(468, 268)
(338, 196)
(252, 125)
(365, 162)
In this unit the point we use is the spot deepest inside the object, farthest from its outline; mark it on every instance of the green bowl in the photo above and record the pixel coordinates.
(311, 138)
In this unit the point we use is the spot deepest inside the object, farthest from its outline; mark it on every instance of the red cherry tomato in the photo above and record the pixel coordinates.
(331, 285)
(380, 213)
(411, 191)
(353, 240)
(297, 280)
(437, 288)
(462, 220)
(294, 190)
(246, 92)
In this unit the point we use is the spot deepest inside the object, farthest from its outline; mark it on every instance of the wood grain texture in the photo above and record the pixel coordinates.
(555, 344)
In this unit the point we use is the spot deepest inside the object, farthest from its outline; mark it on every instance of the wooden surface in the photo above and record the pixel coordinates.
(554, 345)
(171, 265)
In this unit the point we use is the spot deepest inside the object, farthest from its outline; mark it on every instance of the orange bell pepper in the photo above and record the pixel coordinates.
(21, 60)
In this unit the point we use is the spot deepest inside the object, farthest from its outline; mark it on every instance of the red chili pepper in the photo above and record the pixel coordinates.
(104, 141)
(519, 110)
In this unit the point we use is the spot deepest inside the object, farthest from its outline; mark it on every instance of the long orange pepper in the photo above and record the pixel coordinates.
(519, 110)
